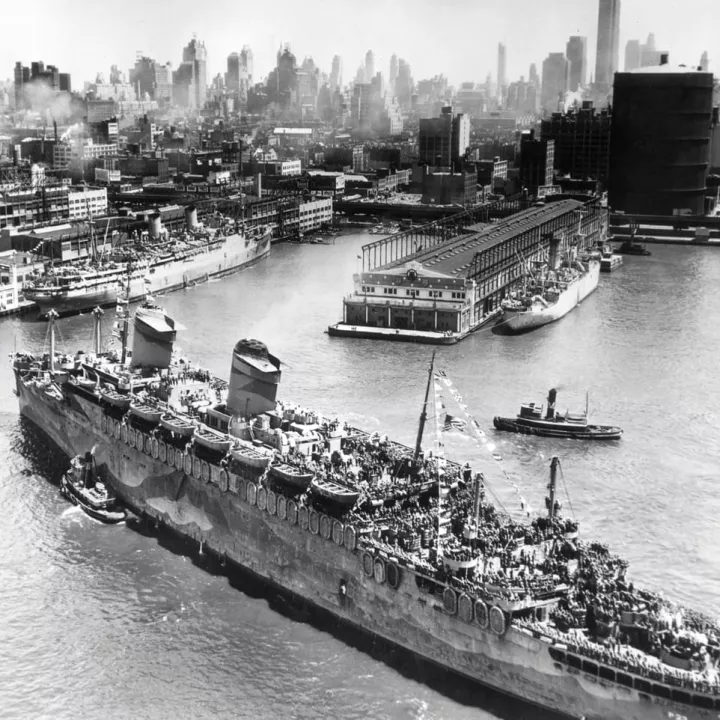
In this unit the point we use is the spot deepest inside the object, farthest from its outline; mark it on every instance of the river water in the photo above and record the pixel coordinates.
(103, 621)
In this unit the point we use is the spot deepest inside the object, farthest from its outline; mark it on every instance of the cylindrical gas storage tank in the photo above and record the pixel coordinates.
(660, 141)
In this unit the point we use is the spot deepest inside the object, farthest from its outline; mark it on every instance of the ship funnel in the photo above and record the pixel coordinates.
(551, 404)
(191, 219)
(254, 378)
(155, 225)
(153, 338)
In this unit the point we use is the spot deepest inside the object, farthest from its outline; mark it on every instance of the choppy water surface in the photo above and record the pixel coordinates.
(107, 622)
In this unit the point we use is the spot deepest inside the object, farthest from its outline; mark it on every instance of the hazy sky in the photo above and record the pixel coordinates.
(455, 37)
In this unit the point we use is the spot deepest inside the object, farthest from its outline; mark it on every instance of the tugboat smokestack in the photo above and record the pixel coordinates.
(551, 405)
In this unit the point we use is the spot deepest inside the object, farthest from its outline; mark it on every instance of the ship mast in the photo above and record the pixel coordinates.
(552, 485)
(126, 318)
(423, 414)
(97, 337)
(52, 316)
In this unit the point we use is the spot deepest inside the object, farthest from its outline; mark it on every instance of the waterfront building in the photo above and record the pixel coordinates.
(581, 139)
(554, 82)
(449, 188)
(457, 285)
(315, 213)
(442, 141)
(660, 150)
(537, 160)
(576, 53)
(608, 43)
(87, 203)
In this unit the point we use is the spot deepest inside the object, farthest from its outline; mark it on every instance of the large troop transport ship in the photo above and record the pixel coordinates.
(392, 540)
(164, 261)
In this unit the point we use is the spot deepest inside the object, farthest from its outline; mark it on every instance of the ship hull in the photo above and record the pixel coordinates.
(515, 323)
(330, 577)
(225, 258)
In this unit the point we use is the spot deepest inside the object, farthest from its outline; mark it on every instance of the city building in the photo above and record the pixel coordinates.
(501, 70)
(633, 56)
(650, 56)
(608, 43)
(581, 139)
(336, 73)
(369, 66)
(392, 77)
(522, 98)
(660, 150)
(704, 62)
(190, 79)
(442, 141)
(576, 53)
(554, 82)
(449, 188)
(38, 74)
(315, 213)
(404, 84)
(471, 99)
(87, 203)
(326, 183)
(537, 160)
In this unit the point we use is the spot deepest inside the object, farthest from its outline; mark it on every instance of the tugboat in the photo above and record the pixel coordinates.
(81, 486)
(530, 421)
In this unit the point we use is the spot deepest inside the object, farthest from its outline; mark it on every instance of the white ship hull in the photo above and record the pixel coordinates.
(163, 276)
(576, 292)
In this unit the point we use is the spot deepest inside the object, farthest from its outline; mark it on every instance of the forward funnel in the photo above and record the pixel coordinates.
(254, 378)
(153, 338)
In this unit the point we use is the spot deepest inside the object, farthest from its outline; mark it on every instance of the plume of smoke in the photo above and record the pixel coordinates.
(572, 97)
(43, 99)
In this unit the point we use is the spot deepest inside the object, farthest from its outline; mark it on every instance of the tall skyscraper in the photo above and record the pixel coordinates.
(608, 43)
(533, 77)
(393, 73)
(704, 62)
(501, 69)
(247, 64)
(404, 84)
(632, 55)
(576, 52)
(232, 76)
(554, 82)
(369, 66)
(190, 79)
(336, 73)
(649, 54)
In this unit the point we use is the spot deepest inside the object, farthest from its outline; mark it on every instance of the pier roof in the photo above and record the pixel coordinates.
(455, 256)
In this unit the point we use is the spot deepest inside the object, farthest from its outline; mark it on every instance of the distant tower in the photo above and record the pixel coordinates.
(393, 73)
(501, 69)
(576, 53)
(533, 77)
(608, 43)
(369, 66)
(704, 62)
(633, 55)
(336, 73)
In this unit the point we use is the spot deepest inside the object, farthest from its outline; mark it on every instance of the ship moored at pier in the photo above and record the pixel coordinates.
(528, 609)
(420, 287)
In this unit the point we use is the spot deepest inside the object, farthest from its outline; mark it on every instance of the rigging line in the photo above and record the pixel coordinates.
(567, 494)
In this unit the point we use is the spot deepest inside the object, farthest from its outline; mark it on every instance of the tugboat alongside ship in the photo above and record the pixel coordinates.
(528, 609)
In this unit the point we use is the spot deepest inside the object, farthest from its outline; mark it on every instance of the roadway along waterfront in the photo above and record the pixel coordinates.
(105, 621)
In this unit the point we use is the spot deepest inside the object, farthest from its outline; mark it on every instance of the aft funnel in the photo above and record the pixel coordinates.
(254, 377)
(153, 338)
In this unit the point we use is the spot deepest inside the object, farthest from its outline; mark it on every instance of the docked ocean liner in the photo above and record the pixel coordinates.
(395, 541)
(163, 261)
(548, 295)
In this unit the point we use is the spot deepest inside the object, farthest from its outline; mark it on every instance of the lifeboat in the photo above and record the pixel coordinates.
(113, 397)
(291, 476)
(342, 495)
(149, 413)
(250, 456)
(179, 426)
(211, 439)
